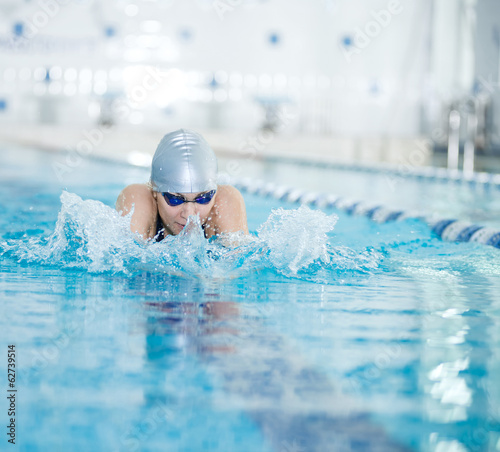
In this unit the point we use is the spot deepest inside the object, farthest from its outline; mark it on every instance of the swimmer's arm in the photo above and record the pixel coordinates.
(139, 198)
(230, 211)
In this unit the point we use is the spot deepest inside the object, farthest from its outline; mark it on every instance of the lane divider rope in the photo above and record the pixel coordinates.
(446, 228)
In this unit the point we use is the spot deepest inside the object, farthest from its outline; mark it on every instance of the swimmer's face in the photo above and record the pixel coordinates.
(174, 218)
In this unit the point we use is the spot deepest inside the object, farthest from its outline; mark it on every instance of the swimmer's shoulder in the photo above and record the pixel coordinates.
(230, 210)
(228, 193)
(135, 194)
(229, 199)
(140, 198)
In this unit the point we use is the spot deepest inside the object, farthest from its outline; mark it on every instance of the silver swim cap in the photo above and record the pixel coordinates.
(184, 163)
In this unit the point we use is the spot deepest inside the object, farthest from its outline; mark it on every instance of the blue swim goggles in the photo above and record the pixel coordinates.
(177, 200)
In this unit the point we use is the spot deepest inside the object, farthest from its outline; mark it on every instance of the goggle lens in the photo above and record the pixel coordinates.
(177, 200)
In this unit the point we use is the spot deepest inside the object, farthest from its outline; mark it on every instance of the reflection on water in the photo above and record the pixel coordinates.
(457, 350)
(392, 363)
(261, 375)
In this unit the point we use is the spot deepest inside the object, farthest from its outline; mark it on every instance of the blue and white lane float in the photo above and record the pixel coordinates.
(446, 228)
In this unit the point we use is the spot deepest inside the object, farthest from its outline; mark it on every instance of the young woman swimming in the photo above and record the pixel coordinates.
(183, 183)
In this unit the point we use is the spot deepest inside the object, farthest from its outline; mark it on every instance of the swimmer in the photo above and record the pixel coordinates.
(183, 183)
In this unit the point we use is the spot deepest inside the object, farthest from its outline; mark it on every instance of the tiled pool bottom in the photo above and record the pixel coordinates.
(390, 342)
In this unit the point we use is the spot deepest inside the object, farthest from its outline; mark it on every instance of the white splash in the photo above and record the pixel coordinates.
(297, 238)
(93, 236)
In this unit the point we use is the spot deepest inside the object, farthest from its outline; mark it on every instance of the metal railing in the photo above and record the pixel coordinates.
(467, 125)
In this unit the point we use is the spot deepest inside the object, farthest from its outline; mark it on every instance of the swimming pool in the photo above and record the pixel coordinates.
(362, 337)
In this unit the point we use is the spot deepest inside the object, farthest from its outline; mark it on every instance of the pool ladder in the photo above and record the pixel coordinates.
(467, 112)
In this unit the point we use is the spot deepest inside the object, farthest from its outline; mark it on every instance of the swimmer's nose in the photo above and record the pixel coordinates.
(188, 208)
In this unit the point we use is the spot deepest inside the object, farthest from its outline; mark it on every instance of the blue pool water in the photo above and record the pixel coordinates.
(326, 332)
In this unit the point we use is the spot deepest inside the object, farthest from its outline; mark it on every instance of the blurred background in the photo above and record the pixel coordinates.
(406, 82)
